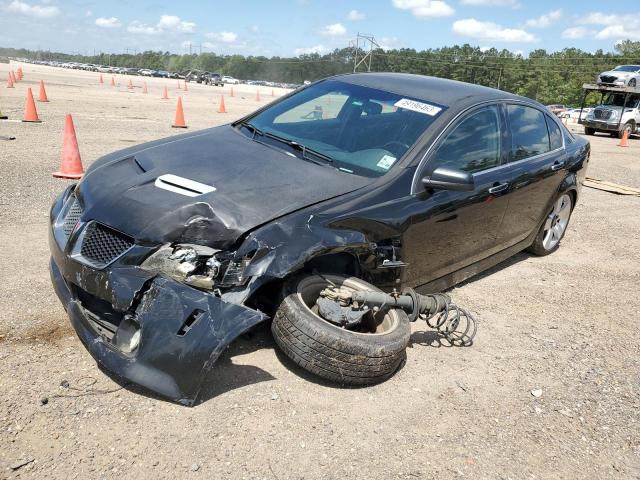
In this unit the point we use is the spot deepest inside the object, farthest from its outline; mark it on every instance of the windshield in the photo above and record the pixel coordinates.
(357, 129)
(627, 68)
(617, 100)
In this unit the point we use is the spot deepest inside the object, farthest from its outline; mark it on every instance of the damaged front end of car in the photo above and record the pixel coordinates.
(152, 315)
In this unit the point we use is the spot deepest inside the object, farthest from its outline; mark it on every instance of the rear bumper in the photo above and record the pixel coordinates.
(182, 331)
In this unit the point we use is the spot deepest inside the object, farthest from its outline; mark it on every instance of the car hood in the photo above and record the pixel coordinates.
(251, 184)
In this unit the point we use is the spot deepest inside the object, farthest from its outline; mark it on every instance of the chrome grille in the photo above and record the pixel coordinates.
(101, 245)
(72, 218)
(601, 114)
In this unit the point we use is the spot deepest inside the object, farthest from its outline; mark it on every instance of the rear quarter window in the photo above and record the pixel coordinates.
(555, 135)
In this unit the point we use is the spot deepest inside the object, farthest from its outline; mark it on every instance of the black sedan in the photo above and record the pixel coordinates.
(298, 213)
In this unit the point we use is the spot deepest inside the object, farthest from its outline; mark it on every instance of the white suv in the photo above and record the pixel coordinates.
(622, 75)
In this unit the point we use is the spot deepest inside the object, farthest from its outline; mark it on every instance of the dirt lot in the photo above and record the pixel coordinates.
(566, 324)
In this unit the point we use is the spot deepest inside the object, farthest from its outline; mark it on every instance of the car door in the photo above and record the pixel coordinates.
(535, 169)
(451, 229)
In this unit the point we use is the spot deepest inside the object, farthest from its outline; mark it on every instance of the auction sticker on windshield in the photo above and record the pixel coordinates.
(420, 107)
(386, 162)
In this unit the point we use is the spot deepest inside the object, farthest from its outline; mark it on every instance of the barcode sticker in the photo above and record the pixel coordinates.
(421, 107)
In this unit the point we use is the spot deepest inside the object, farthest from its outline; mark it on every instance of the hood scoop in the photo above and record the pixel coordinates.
(183, 186)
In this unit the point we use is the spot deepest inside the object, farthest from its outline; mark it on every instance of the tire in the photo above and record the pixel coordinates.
(560, 215)
(589, 131)
(329, 351)
(628, 127)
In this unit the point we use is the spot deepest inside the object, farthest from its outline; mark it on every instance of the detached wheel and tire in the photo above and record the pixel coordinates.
(367, 355)
(553, 229)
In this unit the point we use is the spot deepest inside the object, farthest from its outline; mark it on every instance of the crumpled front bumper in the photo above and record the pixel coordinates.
(182, 330)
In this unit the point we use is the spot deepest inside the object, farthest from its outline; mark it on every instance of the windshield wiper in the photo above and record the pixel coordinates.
(302, 148)
(255, 130)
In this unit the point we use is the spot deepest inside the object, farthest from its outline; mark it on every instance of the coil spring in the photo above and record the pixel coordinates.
(455, 323)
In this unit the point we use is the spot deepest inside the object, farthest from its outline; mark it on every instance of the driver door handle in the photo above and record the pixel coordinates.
(499, 188)
(557, 166)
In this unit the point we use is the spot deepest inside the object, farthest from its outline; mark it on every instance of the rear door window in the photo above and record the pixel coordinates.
(529, 135)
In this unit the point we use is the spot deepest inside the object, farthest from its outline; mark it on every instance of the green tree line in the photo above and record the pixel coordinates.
(549, 77)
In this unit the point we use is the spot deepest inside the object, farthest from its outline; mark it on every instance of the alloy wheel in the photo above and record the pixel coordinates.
(557, 222)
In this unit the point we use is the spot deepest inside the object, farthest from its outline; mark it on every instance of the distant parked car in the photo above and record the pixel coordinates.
(622, 75)
(574, 113)
(214, 79)
(230, 80)
(557, 109)
(146, 72)
(161, 74)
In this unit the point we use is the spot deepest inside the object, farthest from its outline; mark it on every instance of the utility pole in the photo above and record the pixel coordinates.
(364, 41)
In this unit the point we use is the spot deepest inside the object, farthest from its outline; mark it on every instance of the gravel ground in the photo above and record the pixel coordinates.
(562, 327)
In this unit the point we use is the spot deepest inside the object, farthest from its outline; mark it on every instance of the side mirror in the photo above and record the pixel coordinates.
(444, 178)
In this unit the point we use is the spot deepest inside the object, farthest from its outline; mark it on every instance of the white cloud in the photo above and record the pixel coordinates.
(598, 18)
(355, 15)
(617, 27)
(575, 33)
(320, 49)
(225, 37)
(545, 20)
(171, 22)
(491, 3)
(471, 27)
(425, 8)
(619, 32)
(111, 22)
(167, 23)
(39, 11)
(334, 30)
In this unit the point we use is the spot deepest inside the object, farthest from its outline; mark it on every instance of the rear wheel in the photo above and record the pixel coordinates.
(369, 353)
(555, 226)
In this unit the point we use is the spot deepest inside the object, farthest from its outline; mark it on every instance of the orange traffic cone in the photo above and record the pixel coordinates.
(179, 87)
(231, 94)
(9, 82)
(165, 96)
(130, 86)
(186, 88)
(113, 81)
(70, 162)
(30, 113)
(14, 80)
(257, 95)
(272, 93)
(221, 108)
(42, 95)
(101, 79)
(20, 75)
(624, 141)
(179, 121)
(144, 88)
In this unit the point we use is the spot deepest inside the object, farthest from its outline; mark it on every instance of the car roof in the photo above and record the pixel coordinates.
(450, 93)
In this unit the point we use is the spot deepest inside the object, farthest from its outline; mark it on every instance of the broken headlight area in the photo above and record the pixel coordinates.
(199, 266)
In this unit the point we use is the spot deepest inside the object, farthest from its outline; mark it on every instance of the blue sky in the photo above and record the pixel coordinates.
(292, 27)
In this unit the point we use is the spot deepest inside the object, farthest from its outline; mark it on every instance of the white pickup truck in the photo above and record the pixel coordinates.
(614, 115)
